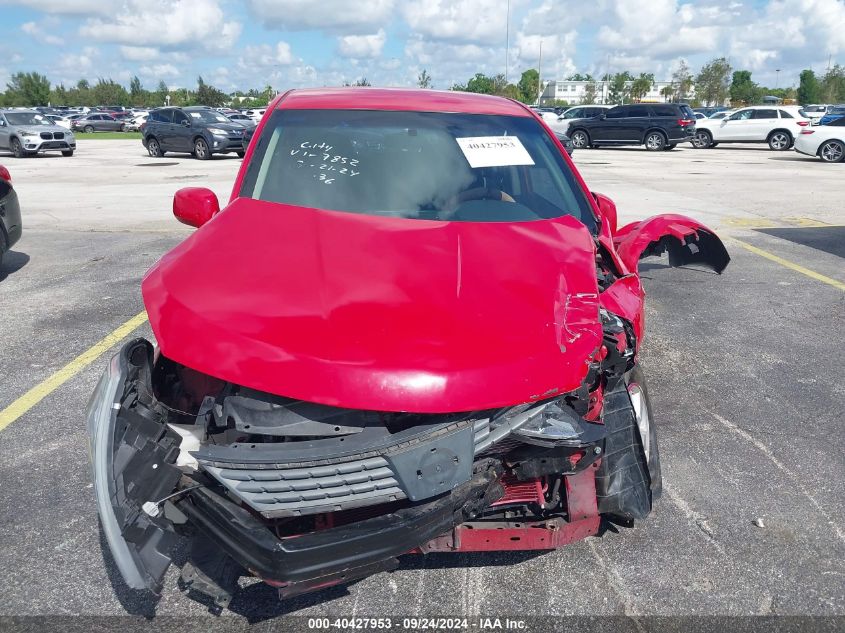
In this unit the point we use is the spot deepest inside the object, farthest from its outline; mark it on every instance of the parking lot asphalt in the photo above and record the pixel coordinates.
(744, 373)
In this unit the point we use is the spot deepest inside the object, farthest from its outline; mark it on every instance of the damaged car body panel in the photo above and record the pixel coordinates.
(686, 241)
(448, 335)
(355, 367)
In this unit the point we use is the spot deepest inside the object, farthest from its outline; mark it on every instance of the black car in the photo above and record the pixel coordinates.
(198, 130)
(10, 214)
(658, 126)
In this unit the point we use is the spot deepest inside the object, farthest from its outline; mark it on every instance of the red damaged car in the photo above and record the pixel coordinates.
(413, 329)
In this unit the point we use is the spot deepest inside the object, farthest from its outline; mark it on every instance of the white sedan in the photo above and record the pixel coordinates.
(825, 141)
(776, 125)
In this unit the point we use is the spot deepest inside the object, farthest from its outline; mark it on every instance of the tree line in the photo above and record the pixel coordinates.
(715, 83)
(33, 89)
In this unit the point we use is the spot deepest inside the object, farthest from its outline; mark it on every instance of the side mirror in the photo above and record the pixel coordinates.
(602, 116)
(607, 209)
(186, 123)
(195, 206)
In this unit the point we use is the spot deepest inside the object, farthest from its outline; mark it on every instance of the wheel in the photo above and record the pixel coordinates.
(713, 144)
(780, 141)
(201, 150)
(123, 127)
(638, 392)
(580, 139)
(153, 148)
(2, 248)
(702, 140)
(832, 152)
(655, 141)
(67, 152)
(241, 154)
(17, 148)
(671, 146)
(88, 129)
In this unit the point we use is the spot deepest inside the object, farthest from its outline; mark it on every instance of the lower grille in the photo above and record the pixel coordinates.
(297, 491)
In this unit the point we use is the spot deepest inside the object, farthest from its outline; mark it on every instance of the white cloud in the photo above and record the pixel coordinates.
(159, 71)
(79, 63)
(139, 53)
(327, 15)
(358, 46)
(187, 24)
(481, 21)
(64, 7)
(266, 56)
(40, 35)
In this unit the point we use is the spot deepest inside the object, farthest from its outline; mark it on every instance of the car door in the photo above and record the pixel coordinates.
(763, 121)
(4, 132)
(164, 129)
(734, 127)
(181, 131)
(610, 128)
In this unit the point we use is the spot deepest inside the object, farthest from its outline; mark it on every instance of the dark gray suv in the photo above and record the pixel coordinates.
(198, 130)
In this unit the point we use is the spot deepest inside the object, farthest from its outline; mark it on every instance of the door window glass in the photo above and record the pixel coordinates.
(765, 114)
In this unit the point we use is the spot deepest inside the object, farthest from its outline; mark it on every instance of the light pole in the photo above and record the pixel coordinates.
(777, 78)
(540, 73)
(507, 39)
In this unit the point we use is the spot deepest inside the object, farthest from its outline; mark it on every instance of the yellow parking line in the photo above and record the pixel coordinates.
(49, 385)
(788, 264)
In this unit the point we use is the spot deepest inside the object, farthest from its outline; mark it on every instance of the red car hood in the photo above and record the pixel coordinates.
(380, 313)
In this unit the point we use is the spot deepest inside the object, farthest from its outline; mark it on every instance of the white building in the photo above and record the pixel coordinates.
(574, 92)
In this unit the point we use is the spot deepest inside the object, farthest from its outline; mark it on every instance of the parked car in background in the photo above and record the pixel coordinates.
(816, 111)
(700, 115)
(571, 115)
(11, 226)
(658, 126)
(27, 132)
(98, 122)
(197, 130)
(134, 124)
(707, 111)
(324, 394)
(243, 119)
(547, 114)
(256, 114)
(59, 120)
(776, 125)
(718, 116)
(825, 141)
(834, 113)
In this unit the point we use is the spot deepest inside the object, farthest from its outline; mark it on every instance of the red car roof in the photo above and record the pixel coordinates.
(400, 99)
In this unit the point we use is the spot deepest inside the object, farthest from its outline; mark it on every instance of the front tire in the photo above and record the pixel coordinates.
(201, 150)
(780, 141)
(655, 141)
(67, 153)
(702, 140)
(123, 128)
(580, 139)
(638, 392)
(88, 129)
(832, 152)
(17, 148)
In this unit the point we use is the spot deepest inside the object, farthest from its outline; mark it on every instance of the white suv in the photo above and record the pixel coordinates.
(776, 125)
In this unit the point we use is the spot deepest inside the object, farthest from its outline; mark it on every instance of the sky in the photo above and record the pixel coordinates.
(240, 44)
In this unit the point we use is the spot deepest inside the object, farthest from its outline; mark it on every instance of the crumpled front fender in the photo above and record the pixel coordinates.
(686, 240)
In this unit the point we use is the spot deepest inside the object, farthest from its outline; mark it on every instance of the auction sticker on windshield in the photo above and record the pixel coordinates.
(494, 151)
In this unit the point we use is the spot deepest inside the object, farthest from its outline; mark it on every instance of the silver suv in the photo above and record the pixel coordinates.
(27, 132)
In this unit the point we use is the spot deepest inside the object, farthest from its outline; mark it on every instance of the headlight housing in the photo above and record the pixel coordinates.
(218, 131)
(27, 133)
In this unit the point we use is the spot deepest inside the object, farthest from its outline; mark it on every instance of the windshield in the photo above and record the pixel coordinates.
(26, 118)
(208, 116)
(422, 165)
